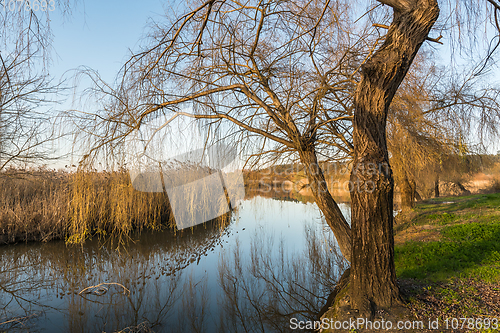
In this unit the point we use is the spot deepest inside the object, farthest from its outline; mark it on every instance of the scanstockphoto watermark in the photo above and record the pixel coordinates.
(268, 184)
(201, 183)
(355, 324)
(329, 168)
(272, 179)
(27, 5)
(483, 323)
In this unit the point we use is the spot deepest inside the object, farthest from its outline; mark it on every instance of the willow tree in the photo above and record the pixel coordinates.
(310, 80)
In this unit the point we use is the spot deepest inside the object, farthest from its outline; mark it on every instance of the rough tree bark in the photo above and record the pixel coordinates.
(373, 279)
(325, 201)
(418, 196)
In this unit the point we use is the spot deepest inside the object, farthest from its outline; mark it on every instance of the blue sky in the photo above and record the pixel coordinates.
(98, 34)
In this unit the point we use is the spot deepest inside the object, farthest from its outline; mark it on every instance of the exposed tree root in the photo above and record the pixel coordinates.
(338, 307)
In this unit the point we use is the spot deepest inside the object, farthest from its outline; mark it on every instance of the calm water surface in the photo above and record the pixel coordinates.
(271, 260)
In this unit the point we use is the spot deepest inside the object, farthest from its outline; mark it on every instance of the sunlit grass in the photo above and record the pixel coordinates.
(468, 245)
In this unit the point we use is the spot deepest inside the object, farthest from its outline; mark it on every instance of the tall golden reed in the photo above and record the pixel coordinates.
(43, 205)
(105, 202)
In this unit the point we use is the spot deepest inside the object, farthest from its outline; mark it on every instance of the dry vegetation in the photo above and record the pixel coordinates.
(488, 179)
(44, 205)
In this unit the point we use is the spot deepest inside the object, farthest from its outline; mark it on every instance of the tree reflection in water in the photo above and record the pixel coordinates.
(46, 279)
(209, 279)
(263, 292)
(22, 281)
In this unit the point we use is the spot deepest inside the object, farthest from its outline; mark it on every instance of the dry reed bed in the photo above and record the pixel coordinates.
(45, 205)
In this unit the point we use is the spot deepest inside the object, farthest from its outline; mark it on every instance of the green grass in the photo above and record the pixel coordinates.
(437, 205)
(468, 245)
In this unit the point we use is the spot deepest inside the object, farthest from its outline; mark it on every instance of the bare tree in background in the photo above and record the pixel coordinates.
(288, 95)
(372, 276)
(309, 80)
(25, 86)
(24, 128)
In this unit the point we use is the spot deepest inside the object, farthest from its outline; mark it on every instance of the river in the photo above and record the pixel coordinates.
(269, 261)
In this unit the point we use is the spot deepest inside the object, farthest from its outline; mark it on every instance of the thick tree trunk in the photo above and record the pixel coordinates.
(408, 192)
(325, 201)
(373, 278)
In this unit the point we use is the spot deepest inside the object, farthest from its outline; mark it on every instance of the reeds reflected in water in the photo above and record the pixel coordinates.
(217, 277)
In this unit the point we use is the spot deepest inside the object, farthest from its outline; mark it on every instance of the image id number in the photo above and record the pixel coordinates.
(471, 323)
(28, 5)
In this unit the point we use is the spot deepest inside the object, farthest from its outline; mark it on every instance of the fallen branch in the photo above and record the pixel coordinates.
(102, 289)
(19, 320)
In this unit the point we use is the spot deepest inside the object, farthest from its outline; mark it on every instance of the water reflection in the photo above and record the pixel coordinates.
(263, 292)
(251, 272)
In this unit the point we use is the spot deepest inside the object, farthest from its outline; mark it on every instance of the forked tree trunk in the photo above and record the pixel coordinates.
(373, 277)
(325, 201)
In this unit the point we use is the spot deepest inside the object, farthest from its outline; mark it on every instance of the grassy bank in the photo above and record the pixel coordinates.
(44, 205)
(448, 257)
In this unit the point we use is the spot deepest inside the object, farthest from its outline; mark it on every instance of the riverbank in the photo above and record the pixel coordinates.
(44, 205)
(447, 256)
